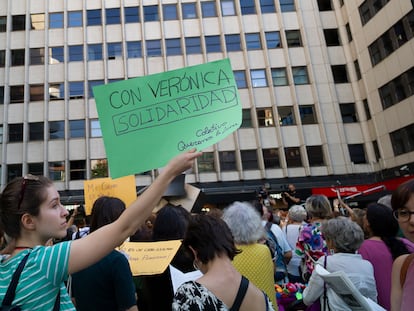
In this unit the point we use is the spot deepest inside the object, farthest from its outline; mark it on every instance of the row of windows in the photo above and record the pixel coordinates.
(392, 39)
(398, 89)
(172, 46)
(402, 140)
(110, 16)
(369, 8)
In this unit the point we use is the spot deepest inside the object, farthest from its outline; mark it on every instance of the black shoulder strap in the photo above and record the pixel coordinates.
(11, 290)
(244, 284)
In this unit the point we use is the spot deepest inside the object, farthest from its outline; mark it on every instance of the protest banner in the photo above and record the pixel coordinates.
(123, 188)
(145, 121)
(147, 258)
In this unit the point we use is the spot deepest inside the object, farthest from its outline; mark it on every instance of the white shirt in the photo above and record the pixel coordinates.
(359, 271)
(292, 234)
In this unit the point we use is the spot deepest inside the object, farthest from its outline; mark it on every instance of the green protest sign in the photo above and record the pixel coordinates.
(145, 121)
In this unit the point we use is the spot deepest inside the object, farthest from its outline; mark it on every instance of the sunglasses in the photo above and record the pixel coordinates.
(26, 179)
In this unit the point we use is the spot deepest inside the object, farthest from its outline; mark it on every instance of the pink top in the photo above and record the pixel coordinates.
(407, 301)
(376, 252)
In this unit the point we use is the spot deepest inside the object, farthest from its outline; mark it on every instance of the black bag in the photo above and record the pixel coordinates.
(6, 304)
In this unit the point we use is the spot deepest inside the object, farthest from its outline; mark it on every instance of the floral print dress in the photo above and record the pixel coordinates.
(310, 246)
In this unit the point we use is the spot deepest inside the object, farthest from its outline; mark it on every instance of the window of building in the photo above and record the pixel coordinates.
(16, 93)
(233, 42)
(56, 130)
(1, 95)
(246, 118)
(151, 13)
(1, 136)
(375, 53)
(131, 14)
(173, 46)
(113, 16)
(300, 75)
(273, 39)
(267, 6)
(37, 56)
(227, 7)
(287, 5)
(265, 117)
(18, 22)
(169, 12)
(17, 57)
(293, 38)
(286, 115)
(271, 158)
(357, 70)
(249, 159)
(99, 168)
(75, 53)
(37, 92)
(205, 162)
(95, 128)
(77, 169)
(293, 158)
(76, 89)
(253, 41)
(57, 91)
(114, 50)
(56, 55)
(369, 8)
(258, 78)
(348, 113)
(247, 7)
(348, 32)
(56, 20)
(402, 140)
(240, 77)
(193, 45)
(357, 153)
(57, 171)
(227, 161)
(134, 49)
(331, 37)
(213, 44)
(340, 73)
(315, 155)
(208, 9)
(324, 5)
(35, 168)
(95, 51)
(77, 128)
(92, 84)
(13, 171)
(189, 10)
(15, 132)
(376, 150)
(2, 58)
(153, 47)
(307, 114)
(279, 76)
(37, 21)
(36, 131)
(398, 89)
(3, 23)
(75, 19)
(94, 17)
(367, 110)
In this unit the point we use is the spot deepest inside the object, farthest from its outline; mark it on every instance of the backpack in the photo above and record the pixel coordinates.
(274, 247)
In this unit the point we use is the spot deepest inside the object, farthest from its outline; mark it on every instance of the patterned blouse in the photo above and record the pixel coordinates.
(192, 296)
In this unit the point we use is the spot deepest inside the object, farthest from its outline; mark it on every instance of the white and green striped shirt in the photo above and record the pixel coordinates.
(43, 275)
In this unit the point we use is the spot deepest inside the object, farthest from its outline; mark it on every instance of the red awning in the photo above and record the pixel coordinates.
(348, 192)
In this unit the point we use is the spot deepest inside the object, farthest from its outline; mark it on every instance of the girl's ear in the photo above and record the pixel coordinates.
(28, 222)
(193, 251)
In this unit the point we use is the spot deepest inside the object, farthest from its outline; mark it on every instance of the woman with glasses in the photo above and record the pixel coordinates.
(382, 247)
(31, 213)
(402, 289)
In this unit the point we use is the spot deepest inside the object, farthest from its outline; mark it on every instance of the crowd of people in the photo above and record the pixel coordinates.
(235, 256)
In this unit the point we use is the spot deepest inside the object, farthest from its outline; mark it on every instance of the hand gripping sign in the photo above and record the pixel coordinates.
(145, 121)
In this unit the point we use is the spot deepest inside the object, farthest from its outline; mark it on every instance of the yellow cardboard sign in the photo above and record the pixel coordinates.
(123, 188)
(147, 258)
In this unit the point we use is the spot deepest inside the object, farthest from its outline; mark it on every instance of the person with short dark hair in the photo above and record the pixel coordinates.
(291, 196)
(211, 244)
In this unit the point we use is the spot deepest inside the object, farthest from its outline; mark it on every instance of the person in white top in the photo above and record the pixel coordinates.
(343, 237)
